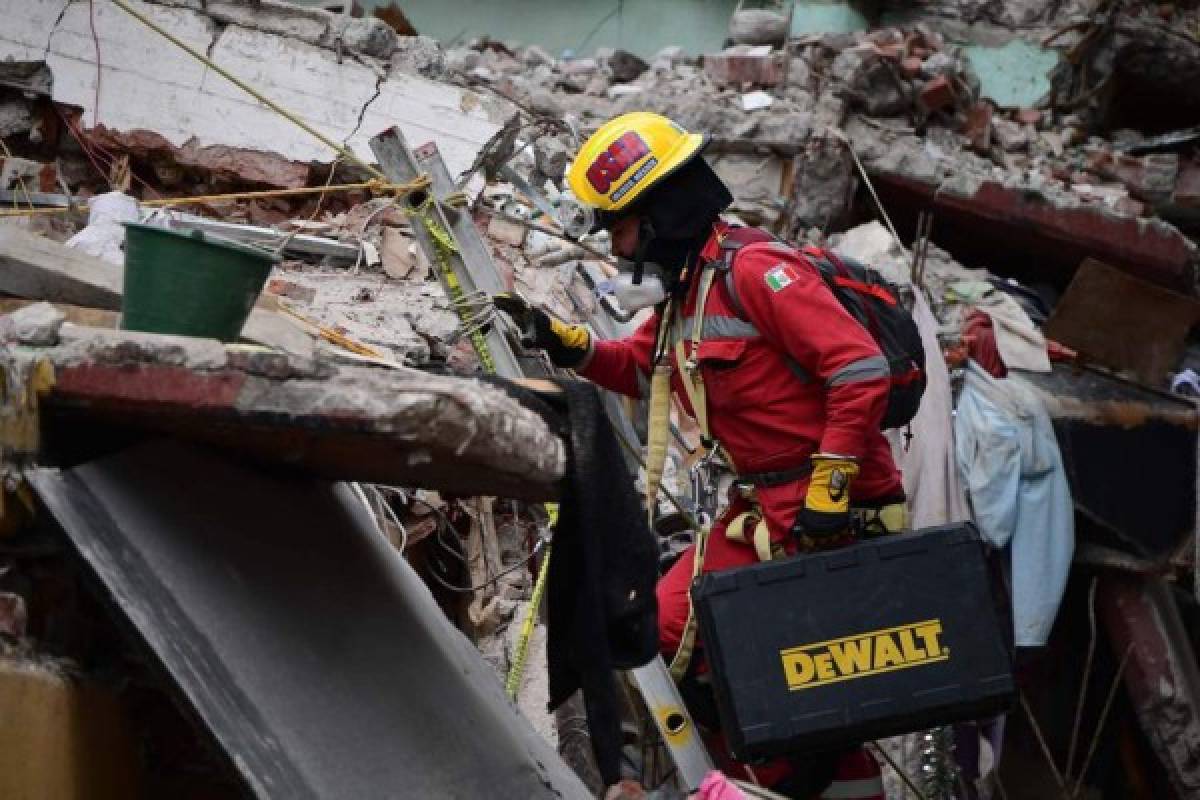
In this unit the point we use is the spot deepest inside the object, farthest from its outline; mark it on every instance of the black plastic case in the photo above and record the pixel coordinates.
(888, 636)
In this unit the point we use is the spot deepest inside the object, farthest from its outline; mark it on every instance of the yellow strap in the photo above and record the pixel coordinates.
(687, 642)
(693, 381)
(658, 425)
(758, 534)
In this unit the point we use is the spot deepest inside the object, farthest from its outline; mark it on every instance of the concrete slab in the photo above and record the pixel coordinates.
(37, 268)
(399, 427)
(147, 84)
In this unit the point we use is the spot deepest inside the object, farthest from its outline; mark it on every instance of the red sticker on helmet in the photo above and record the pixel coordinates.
(616, 161)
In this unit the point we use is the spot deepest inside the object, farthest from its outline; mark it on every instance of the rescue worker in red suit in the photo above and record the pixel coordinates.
(796, 388)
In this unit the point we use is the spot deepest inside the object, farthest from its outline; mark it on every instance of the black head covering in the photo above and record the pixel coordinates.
(677, 215)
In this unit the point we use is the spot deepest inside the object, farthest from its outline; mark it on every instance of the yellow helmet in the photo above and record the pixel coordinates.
(627, 156)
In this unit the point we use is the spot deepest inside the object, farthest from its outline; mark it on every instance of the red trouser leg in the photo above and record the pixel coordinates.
(672, 590)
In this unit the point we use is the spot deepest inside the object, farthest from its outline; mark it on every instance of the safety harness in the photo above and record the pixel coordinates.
(750, 526)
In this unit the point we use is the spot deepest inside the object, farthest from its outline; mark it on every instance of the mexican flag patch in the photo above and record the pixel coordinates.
(781, 276)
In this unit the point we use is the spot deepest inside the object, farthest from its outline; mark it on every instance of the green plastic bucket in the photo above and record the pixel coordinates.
(190, 283)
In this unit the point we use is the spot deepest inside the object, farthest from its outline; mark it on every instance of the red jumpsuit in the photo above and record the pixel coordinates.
(768, 417)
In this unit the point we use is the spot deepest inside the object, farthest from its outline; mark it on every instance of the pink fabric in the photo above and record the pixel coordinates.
(718, 787)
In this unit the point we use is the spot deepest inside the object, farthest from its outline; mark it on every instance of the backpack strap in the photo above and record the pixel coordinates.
(734, 240)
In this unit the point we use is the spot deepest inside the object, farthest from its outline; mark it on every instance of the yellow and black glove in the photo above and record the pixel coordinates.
(567, 345)
(824, 521)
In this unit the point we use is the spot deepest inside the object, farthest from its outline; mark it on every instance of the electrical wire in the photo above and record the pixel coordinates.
(387, 509)
(99, 67)
(447, 525)
(537, 548)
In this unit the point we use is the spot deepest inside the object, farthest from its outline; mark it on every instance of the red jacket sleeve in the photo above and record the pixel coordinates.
(623, 365)
(785, 297)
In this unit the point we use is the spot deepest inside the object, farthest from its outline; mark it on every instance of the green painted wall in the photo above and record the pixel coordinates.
(1015, 75)
(640, 26)
(830, 16)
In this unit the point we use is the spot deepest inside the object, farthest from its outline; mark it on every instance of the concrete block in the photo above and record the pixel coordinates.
(506, 231)
(292, 290)
(1010, 136)
(36, 325)
(401, 256)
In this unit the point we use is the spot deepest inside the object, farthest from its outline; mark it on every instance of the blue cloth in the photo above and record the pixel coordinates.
(1011, 465)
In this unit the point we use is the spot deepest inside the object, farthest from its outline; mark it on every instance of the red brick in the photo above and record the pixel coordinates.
(730, 69)
(910, 67)
(937, 94)
(1028, 116)
(978, 128)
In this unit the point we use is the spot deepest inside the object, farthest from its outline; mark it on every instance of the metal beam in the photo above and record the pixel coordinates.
(465, 270)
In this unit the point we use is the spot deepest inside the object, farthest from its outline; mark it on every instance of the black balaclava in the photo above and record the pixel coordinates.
(677, 217)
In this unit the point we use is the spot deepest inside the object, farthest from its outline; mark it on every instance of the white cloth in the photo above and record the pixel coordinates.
(1010, 462)
(104, 236)
(931, 481)
(1020, 342)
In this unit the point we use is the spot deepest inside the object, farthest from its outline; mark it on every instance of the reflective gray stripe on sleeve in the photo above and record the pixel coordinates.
(865, 369)
(717, 328)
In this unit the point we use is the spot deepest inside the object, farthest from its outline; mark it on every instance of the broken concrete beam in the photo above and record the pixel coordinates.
(394, 426)
(1103, 423)
(1044, 231)
(37, 268)
(149, 85)
(1161, 679)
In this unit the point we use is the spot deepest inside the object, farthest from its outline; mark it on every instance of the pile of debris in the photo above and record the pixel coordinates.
(856, 140)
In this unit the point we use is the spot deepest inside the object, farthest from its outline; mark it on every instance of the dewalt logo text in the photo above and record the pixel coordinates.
(865, 654)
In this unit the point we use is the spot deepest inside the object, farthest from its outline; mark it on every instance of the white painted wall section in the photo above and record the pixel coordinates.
(149, 84)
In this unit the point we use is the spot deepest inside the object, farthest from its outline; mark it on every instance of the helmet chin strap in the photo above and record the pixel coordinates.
(645, 236)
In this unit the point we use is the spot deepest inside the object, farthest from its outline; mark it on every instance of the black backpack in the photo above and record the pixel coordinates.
(873, 301)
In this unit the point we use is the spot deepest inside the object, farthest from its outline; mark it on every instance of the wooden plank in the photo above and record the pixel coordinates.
(1122, 322)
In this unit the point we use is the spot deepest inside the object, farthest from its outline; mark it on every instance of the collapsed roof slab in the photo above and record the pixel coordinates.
(1016, 224)
(391, 426)
(153, 92)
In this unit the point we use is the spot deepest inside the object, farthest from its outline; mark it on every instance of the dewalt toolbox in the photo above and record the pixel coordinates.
(891, 635)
